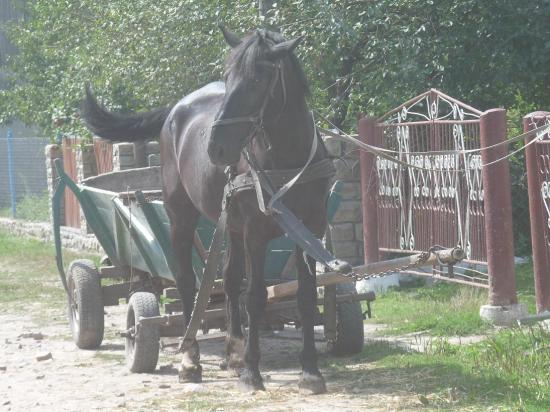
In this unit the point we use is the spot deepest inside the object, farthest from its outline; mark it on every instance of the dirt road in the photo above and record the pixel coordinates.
(79, 380)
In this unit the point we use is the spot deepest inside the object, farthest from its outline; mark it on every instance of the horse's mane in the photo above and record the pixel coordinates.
(243, 57)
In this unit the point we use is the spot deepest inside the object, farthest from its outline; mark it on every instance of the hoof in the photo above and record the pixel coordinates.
(250, 382)
(190, 374)
(236, 365)
(311, 384)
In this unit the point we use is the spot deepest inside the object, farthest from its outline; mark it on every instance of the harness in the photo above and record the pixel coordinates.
(275, 183)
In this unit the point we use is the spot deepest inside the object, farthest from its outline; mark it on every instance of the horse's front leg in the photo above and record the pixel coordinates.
(256, 298)
(233, 272)
(311, 381)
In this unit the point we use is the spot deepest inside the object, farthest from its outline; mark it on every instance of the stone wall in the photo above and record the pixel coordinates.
(123, 155)
(72, 239)
(346, 229)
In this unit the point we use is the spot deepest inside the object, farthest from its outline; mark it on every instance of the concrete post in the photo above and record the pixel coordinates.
(539, 221)
(369, 190)
(503, 308)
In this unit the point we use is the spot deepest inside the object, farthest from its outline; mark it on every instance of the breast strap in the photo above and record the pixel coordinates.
(318, 170)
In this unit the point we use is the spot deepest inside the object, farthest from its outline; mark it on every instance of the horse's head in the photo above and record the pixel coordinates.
(254, 78)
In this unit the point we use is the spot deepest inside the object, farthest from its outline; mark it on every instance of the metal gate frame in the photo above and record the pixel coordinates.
(440, 207)
(537, 162)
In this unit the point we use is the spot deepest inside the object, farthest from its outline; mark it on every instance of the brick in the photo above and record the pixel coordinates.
(334, 147)
(345, 249)
(153, 148)
(348, 211)
(127, 148)
(342, 231)
(359, 231)
(347, 170)
(351, 190)
(153, 160)
(124, 161)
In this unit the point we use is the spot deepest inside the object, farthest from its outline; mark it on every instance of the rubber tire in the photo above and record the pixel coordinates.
(350, 335)
(142, 351)
(86, 318)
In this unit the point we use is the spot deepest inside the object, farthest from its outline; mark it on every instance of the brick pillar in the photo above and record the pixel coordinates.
(346, 228)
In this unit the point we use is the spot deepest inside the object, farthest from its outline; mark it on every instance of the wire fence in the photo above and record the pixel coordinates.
(23, 181)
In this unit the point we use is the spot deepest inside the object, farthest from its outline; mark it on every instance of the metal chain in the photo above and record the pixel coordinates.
(423, 258)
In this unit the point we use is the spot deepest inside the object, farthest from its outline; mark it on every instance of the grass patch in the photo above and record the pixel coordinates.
(506, 372)
(526, 286)
(443, 310)
(28, 276)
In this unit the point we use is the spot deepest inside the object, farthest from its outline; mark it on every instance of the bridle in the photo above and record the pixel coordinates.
(257, 121)
(260, 178)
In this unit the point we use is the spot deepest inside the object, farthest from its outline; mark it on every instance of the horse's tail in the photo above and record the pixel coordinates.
(117, 127)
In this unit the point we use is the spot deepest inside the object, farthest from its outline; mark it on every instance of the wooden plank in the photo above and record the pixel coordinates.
(114, 272)
(329, 312)
(446, 256)
(112, 293)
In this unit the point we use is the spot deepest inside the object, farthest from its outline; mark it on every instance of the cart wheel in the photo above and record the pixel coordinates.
(85, 309)
(350, 335)
(142, 342)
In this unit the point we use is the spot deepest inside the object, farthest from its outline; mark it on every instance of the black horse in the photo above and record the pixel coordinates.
(261, 105)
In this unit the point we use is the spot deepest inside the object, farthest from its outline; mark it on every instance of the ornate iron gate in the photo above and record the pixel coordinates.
(418, 208)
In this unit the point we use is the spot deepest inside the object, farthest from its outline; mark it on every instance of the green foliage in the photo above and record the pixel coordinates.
(148, 53)
(359, 57)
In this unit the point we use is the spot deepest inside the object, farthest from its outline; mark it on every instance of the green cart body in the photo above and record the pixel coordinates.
(125, 212)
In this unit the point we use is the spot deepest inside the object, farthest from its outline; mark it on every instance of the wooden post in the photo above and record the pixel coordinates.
(539, 221)
(369, 190)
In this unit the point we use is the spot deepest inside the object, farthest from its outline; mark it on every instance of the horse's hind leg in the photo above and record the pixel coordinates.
(312, 381)
(183, 221)
(233, 272)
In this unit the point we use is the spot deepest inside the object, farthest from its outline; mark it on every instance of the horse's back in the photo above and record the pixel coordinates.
(184, 142)
(207, 93)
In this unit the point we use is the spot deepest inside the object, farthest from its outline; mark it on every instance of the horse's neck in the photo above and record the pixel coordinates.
(290, 137)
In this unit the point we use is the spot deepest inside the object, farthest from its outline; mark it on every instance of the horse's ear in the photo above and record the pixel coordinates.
(231, 38)
(283, 49)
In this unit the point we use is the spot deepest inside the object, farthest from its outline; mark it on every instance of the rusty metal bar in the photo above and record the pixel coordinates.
(541, 264)
(446, 256)
(446, 279)
(498, 210)
(430, 122)
(453, 100)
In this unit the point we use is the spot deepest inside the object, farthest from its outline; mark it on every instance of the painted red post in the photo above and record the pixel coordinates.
(498, 210)
(369, 190)
(541, 264)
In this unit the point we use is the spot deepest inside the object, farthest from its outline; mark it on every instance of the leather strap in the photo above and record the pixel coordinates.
(207, 283)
